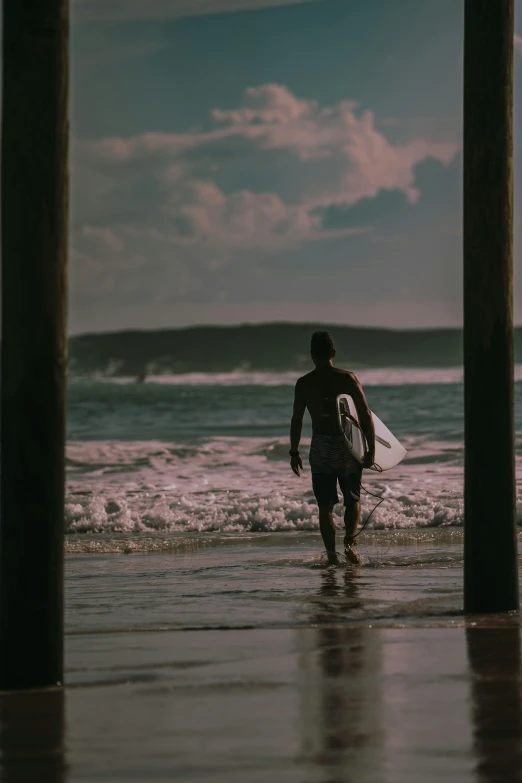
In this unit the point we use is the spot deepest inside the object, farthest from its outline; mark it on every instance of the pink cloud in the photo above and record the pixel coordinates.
(154, 201)
(247, 220)
(271, 118)
(269, 103)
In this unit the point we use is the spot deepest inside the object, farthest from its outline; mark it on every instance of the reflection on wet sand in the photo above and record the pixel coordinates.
(340, 686)
(32, 737)
(495, 668)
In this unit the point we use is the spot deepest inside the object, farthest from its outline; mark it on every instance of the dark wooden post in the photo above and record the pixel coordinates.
(32, 728)
(490, 552)
(496, 702)
(35, 137)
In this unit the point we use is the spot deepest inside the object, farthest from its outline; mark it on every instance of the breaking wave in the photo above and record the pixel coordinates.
(232, 485)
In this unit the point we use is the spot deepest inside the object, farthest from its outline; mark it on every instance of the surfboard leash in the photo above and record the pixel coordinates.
(377, 467)
(381, 499)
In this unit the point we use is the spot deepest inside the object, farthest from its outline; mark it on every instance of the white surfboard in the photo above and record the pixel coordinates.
(388, 451)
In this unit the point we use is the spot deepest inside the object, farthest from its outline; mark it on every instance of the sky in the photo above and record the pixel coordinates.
(267, 160)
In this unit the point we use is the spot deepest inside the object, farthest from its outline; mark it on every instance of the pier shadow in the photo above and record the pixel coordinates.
(496, 702)
(340, 687)
(32, 737)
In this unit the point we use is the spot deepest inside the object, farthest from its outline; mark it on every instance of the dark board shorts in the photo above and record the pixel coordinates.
(324, 483)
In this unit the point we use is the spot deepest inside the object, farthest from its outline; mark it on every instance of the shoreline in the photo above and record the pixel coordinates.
(183, 543)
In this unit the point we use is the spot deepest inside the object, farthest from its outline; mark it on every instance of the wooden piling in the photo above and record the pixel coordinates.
(490, 554)
(35, 138)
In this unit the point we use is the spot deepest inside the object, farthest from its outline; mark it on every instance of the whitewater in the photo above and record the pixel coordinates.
(208, 455)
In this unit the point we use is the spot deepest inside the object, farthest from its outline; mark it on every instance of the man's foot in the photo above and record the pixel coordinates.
(333, 558)
(351, 555)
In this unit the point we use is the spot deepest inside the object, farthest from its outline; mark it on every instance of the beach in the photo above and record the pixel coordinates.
(330, 704)
(246, 657)
(206, 638)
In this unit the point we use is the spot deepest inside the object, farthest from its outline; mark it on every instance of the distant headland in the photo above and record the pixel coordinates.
(261, 347)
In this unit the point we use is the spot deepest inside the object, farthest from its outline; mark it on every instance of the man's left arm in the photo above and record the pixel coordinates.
(296, 427)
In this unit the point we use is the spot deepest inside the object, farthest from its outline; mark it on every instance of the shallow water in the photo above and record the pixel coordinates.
(271, 580)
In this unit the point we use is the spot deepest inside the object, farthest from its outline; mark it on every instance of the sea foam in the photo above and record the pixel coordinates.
(242, 485)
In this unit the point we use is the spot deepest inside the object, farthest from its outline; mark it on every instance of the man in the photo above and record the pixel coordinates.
(330, 460)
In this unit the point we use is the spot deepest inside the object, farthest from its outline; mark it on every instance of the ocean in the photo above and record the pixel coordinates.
(208, 454)
(182, 511)
(207, 637)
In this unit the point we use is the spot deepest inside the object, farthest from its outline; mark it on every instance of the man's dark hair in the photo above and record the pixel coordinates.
(322, 346)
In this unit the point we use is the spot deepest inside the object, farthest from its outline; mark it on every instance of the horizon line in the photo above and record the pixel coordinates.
(243, 324)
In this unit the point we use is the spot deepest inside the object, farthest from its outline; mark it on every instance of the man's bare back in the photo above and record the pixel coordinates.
(318, 391)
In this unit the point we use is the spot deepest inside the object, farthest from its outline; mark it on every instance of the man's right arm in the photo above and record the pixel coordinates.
(296, 427)
(365, 419)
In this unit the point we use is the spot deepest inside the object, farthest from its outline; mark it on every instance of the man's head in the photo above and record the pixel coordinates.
(322, 348)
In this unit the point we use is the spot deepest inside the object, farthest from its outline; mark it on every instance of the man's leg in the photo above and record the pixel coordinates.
(327, 528)
(324, 484)
(352, 515)
(351, 488)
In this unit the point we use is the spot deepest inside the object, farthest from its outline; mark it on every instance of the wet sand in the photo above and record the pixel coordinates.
(250, 662)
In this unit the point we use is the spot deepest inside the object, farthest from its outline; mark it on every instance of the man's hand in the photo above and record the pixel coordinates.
(296, 463)
(365, 420)
(369, 460)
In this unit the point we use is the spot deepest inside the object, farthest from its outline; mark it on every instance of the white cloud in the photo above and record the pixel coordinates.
(129, 10)
(518, 44)
(155, 211)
